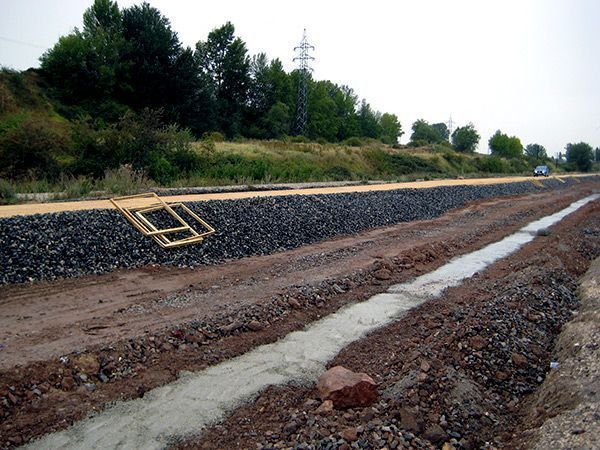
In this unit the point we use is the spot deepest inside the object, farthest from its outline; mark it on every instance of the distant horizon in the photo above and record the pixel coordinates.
(427, 60)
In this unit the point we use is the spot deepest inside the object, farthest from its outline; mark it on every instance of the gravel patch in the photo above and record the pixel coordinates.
(70, 244)
(567, 403)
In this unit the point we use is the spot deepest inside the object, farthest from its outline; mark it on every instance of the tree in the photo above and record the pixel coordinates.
(277, 120)
(152, 49)
(506, 146)
(597, 154)
(465, 139)
(391, 129)
(536, 151)
(84, 67)
(442, 130)
(223, 58)
(368, 121)
(269, 85)
(425, 133)
(323, 121)
(580, 155)
(346, 101)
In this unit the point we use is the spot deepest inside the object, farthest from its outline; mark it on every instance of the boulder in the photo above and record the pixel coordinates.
(87, 363)
(347, 389)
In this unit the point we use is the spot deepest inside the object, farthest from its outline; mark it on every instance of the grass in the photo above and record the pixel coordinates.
(260, 162)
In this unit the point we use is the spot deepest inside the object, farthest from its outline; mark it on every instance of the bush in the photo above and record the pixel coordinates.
(7, 192)
(140, 140)
(354, 142)
(124, 180)
(77, 187)
(161, 170)
(214, 136)
(300, 139)
(338, 173)
(36, 146)
(492, 164)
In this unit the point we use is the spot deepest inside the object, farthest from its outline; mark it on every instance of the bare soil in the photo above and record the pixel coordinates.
(460, 371)
(124, 333)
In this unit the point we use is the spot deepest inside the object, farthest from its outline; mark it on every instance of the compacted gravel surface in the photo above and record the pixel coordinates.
(68, 244)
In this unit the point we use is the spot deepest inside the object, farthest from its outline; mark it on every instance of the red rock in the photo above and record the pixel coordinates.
(325, 408)
(501, 376)
(231, 327)
(67, 383)
(519, 360)
(478, 343)
(408, 421)
(349, 434)
(178, 334)
(255, 325)
(87, 363)
(425, 366)
(295, 304)
(13, 399)
(382, 274)
(347, 389)
(435, 433)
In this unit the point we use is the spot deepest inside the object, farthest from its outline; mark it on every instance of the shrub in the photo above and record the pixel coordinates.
(161, 170)
(354, 142)
(7, 192)
(214, 136)
(338, 173)
(34, 147)
(77, 187)
(300, 139)
(492, 164)
(124, 180)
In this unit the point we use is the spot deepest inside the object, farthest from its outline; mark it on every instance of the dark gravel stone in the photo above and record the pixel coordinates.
(70, 244)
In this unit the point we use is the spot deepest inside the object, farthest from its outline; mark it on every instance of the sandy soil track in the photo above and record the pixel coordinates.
(42, 208)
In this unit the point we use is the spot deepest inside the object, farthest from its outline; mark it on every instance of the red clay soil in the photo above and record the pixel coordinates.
(71, 346)
(455, 372)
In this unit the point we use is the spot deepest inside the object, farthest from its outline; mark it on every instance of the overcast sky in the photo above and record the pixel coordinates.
(528, 67)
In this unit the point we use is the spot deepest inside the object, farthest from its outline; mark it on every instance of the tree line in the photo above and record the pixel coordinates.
(579, 156)
(131, 59)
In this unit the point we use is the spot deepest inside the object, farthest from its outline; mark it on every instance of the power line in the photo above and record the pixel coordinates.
(28, 44)
(304, 70)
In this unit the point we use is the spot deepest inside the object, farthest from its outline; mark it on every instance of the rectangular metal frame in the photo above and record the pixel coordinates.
(135, 215)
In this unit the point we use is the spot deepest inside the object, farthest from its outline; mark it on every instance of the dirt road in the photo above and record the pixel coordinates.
(130, 331)
(41, 208)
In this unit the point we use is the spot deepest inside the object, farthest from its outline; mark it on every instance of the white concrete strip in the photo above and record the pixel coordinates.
(199, 399)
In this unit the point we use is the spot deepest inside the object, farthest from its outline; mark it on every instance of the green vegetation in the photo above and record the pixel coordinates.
(580, 156)
(505, 146)
(122, 105)
(465, 139)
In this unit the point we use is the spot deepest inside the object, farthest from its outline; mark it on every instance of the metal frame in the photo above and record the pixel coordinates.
(135, 214)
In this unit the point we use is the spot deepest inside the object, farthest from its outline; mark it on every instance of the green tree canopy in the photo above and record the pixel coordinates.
(465, 139)
(536, 151)
(223, 57)
(506, 146)
(442, 130)
(126, 60)
(368, 121)
(580, 155)
(391, 129)
(424, 132)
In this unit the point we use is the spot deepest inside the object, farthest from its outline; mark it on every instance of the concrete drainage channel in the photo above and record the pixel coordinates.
(196, 400)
